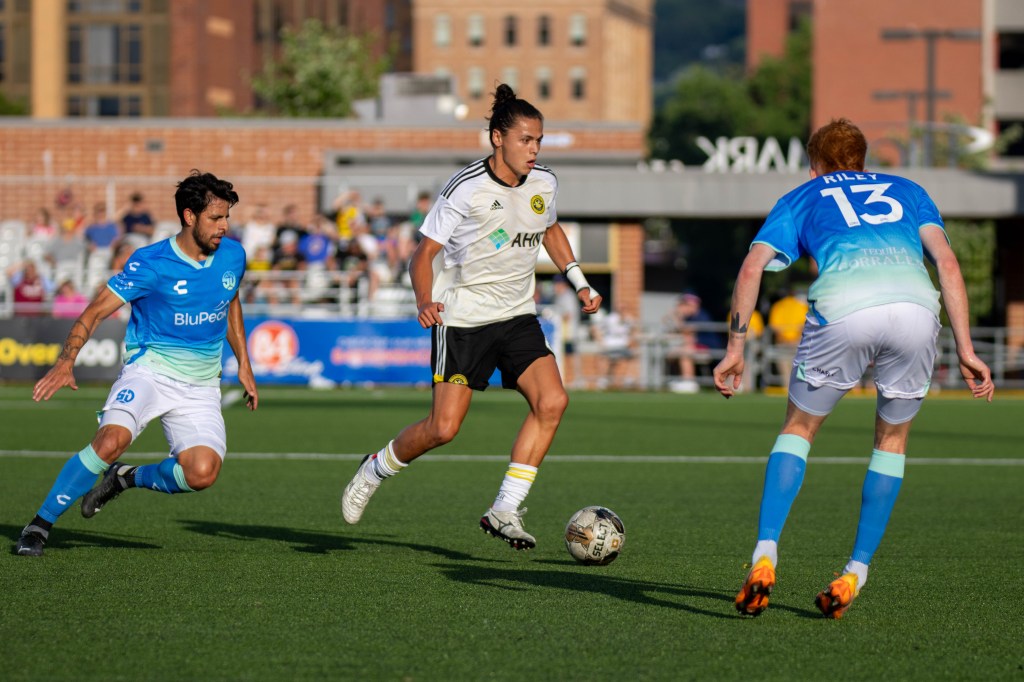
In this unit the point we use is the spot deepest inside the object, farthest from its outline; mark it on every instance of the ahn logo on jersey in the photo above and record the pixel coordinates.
(499, 238)
(229, 280)
(125, 395)
(537, 204)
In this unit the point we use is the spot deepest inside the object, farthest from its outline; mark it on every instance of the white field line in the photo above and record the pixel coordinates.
(553, 459)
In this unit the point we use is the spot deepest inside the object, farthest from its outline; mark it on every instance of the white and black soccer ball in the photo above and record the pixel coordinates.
(595, 536)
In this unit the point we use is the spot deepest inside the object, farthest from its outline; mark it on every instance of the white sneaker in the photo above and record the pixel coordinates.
(358, 493)
(508, 526)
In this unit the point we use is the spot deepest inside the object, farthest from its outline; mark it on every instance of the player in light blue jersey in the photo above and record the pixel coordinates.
(872, 303)
(184, 297)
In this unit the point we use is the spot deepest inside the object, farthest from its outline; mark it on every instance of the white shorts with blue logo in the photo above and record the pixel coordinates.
(190, 415)
(898, 338)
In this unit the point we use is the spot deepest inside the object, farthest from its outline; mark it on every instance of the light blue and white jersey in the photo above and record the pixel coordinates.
(179, 308)
(862, 229)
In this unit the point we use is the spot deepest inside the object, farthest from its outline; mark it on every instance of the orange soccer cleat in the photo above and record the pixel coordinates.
(753, 598)
(837, 597)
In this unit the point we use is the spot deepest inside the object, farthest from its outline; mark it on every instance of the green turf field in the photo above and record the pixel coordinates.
(260, 579)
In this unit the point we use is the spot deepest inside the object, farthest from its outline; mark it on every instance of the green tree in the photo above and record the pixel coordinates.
(11, 107)
(975, 246)
(322, 70)
(774, 101)
(703, 103)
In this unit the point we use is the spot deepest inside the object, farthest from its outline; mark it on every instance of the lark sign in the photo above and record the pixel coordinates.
(745, 155)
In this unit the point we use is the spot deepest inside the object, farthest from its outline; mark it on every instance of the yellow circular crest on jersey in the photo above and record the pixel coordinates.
(457, 379)
(537, 204)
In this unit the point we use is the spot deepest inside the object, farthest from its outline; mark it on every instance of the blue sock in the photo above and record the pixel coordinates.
(73, 481)
(165, 477)
(881, 486)
(782, 480)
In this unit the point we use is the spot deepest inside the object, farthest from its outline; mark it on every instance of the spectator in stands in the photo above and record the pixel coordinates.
(347, 211)
(101, 232)
(67, 252)
(74, 218)
(137, 222)
(419, 211)
(786, 319)
(289, 262)
(120, 256)
(397, 247)
(42, 225)
(31, 289)
(695, 343)
(69, 302)
(318, 247)
(614, 331)
(378, 218)
(364, 258)
(566, 306)
(289, 223)
(258, 231)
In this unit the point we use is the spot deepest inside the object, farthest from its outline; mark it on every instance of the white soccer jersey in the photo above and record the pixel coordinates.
(491, 234)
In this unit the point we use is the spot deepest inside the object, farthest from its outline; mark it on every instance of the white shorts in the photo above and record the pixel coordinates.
(190, 414)
(899, 338)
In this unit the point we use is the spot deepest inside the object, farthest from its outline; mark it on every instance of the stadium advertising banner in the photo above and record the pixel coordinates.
(323, 353)
(30, 345)
(326, 353)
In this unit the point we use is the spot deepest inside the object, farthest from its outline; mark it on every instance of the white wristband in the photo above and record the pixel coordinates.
(574, 273)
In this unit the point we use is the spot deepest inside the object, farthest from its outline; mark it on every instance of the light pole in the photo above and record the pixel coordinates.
(912, 96)
(930, 37)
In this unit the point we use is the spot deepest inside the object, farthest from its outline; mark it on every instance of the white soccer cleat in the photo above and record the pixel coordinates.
(508, 526)
(358, 493)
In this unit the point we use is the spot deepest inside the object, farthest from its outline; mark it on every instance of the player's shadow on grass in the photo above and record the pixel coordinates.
(63, 538)
(589, 580)
(312, 542)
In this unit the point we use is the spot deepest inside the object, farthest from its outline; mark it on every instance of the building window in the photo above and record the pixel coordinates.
(510, 31)
(104, 6)
(475, 29)
(578, 82)
(475, 82)
(442, 30)
(104, 53)
(578, 29)
(104, 105)
(510, 76)
(543, 76)
(544, 30)
(1011, 51)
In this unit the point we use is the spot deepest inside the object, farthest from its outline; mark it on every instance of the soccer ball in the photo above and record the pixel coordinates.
(595, 536)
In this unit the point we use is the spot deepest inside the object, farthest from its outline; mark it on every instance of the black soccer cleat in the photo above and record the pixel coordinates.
(110, 486)
(31, 542)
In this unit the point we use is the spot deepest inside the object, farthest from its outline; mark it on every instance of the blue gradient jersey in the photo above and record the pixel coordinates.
(179, 308)
(862, 229)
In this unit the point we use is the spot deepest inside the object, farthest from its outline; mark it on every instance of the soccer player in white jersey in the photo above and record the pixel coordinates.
(473, 275)
(184, 301)
(872, 303)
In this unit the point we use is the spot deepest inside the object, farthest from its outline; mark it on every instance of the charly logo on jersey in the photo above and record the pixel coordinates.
(229, 280)
(180, 287)
(537, 204)
(133, 266)
(499, 238)
(125, 395)
(197, 319)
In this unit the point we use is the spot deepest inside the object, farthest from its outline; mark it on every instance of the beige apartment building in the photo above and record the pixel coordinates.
(575, 61)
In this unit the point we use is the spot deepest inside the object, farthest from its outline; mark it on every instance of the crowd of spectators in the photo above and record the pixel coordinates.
(63, 254)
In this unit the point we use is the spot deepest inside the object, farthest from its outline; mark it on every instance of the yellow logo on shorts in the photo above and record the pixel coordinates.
(537, 204)
(458, 379)
(438, 378)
